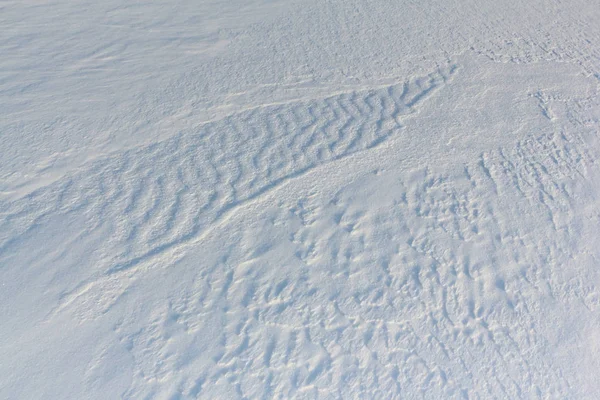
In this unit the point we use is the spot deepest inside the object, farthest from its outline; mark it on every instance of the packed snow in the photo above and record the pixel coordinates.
(341, 199)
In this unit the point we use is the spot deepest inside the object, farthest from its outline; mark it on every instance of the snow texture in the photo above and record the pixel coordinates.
(303, 199)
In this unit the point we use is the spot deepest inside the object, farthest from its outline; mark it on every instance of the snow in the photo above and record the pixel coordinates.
(301, 199)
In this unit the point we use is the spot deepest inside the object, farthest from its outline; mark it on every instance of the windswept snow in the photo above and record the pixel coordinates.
(303, 199)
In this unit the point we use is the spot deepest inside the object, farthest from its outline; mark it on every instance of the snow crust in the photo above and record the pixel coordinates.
(299, 199)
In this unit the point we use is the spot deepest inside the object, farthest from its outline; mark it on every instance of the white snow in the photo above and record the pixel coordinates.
(299, 199)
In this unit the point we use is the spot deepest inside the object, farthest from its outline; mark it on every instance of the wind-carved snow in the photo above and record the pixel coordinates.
(299, 200)
(315, 249)
(172, 191)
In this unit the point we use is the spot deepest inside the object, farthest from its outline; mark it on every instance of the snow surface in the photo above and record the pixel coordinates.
(299, 199)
